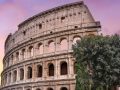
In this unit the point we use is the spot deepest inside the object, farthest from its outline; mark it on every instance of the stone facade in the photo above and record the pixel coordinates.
(38, 56)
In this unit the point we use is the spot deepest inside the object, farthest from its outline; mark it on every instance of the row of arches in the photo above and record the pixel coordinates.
(27, 72)
(51, 70)
(62, 88)
(38, 49)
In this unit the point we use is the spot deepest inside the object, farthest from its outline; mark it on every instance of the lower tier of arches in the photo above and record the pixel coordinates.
(47, 85)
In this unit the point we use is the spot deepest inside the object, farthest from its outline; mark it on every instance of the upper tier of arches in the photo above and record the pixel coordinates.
(71, 16)
(40, 49)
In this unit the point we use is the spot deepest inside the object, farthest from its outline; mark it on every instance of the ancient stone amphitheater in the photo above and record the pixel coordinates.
(38, 56)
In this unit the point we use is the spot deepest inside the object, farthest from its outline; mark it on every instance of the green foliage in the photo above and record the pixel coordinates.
(98, 61)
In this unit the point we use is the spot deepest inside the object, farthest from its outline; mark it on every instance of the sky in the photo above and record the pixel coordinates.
(13, 12)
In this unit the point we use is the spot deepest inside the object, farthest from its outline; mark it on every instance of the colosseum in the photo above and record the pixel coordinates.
(38, 56)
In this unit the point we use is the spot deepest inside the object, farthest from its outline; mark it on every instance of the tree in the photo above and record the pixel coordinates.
(98, 59)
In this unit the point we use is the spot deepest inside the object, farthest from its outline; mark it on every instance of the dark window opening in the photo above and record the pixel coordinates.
(63, 68)
(62, 18)
(13, 40)
(79, 13)
(63, 88)
(21, 74)
(49, 89)
(24, 33)
(29, 74)
(51, 70)
(38, 89)
(23, 53)
(14, 76)
(76, 26)
(17, 56)
(51, 32)
(85, 12)
(39, 71)
(40, 26)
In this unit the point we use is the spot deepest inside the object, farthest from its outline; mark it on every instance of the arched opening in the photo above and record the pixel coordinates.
(63, 68)
(31, 51)
(51, 46)
(39, 71)
(23, 54)
(5, 79)
(38, 89)
(29, 73)
(40, 48)
(14, 76)
(74, 68)
(63, 88)
(49, 89)
(9, 77)
(64, 44)
(40, 26)
(21, 74)
(51, 69)
(17, 56)
(76, 39)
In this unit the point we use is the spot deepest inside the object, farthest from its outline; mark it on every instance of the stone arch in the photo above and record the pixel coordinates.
(21, 74)
(50, 89)
(50, 69)
(63, 88)
(9, 77)
(63, 44)
(38, 89)
(17, 56)
(75, 38)
(29, 72)
(14, 76)
(40, 48)
(30, 51)
(51, 46)
(23, 53)
(63, 68)
(39, 71)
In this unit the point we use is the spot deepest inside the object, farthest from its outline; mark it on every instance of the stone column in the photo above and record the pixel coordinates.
(20, 55)
(25, 72)
(33, 71)
(70, 43)
(36, 50)
(44, 71)
(45, 47)
(18, 74)
(69, 67)
(56, 69)
(57, 45)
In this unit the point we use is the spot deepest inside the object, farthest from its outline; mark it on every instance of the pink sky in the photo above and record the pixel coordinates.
(13, 12)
